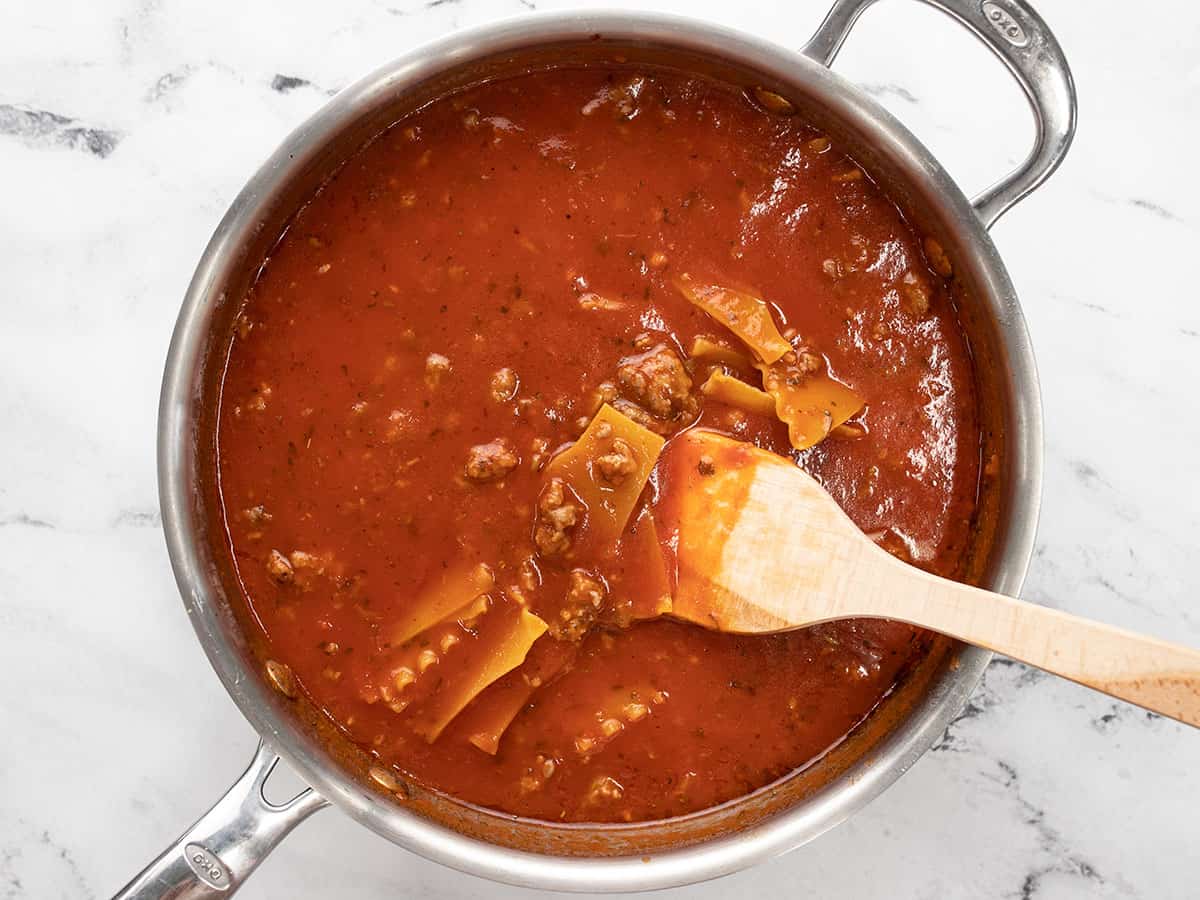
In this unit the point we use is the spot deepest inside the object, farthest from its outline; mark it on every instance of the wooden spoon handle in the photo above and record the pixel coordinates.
(1151, 673)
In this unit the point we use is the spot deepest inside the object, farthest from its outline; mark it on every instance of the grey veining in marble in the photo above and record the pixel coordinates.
(127, 126)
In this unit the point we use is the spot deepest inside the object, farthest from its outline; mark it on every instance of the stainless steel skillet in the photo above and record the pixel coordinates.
(214, 856)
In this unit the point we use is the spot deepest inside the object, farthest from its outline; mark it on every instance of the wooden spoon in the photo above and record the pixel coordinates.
(763, 548)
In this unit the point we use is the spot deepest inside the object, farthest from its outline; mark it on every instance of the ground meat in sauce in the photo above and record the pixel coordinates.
(490, 461)
(280, 568)
(539, 452)
(437, 367)
(504, 385)
(617, 464)
(256, 515)
(452, 308)
(556, 516)
(583, 604)
(656, 381)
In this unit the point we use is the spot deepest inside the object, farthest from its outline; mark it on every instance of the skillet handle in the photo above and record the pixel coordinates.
(213, 857)
(1016, 34)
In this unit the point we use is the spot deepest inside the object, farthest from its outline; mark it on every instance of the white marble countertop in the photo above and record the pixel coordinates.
(127, 126)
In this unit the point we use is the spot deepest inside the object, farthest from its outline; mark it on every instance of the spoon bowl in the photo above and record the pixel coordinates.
(762, 548)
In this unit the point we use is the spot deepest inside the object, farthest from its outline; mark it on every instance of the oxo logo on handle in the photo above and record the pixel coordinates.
(1004, 23)
(207, 866)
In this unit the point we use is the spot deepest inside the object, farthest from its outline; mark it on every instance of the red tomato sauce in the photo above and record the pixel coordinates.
(449, 312)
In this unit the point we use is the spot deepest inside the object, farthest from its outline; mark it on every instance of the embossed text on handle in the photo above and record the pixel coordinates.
(207, 866)
(1004, 23)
